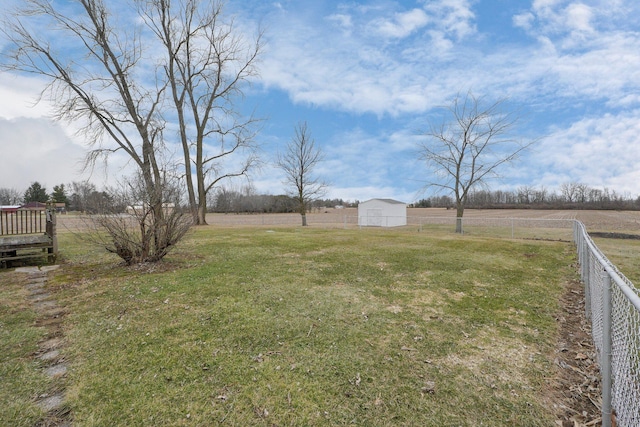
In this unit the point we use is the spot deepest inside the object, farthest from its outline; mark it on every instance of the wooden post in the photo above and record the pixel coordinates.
(51, 232)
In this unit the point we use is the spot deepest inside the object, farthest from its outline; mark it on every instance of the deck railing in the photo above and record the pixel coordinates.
(23, 222)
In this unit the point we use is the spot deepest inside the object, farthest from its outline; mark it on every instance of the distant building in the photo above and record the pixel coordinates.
(34, 206)
(382, 213)
(140, 210)
(9, 208)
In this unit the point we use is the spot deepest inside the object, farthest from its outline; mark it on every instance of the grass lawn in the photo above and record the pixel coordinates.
(300, 327)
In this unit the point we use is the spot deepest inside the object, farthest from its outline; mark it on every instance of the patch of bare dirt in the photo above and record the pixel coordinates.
(575, 393)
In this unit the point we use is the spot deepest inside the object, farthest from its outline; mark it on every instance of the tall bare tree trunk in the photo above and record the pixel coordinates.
(202, 188)
(459, 213)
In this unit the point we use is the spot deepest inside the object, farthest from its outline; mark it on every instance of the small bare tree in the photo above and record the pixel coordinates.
(298, 163)
(468, 148)
(135, 236)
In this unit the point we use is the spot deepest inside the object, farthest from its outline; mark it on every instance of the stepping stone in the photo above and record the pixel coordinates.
(27, 270)
(52, 402)
(56, 371)
(35, 286)
(37, 291)
(50, 355)
(44, 305)
(39, 297)
(51, 343)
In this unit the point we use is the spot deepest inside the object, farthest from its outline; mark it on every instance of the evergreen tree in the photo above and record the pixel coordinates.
(59, 195)
(36, 193)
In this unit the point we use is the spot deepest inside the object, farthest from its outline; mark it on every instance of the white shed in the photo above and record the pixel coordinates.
(382, 213)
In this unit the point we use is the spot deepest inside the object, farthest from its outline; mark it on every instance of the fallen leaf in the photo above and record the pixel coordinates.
(261, 412)
(429, 387)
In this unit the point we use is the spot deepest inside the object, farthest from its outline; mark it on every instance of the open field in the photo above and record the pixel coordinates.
(290, 326)
(595, 220)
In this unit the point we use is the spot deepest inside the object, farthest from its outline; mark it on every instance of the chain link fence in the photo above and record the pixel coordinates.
(613, 307)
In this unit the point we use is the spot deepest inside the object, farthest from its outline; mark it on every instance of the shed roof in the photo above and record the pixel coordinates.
(390, 201)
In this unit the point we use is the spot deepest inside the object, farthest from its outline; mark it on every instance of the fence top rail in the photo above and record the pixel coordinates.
(23, 222)
(505, 219)
(620, 280)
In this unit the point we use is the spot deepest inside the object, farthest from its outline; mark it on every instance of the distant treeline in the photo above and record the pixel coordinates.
(569, 196)
(231, 201)
(85, 197)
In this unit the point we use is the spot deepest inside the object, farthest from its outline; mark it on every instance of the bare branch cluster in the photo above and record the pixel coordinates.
(135, 235)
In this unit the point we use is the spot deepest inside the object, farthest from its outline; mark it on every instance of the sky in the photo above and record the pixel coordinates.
(369, 77)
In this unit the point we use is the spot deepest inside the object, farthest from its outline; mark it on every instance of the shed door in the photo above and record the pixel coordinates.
(374, 217)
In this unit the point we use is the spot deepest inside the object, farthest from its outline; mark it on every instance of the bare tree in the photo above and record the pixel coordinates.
(569, 191)
(582, 191)
(468, 148)
(207, 62)
(133, 237)
(99, 78)
(10, 196)
(540, 195)
(298, 163)
(525, 194)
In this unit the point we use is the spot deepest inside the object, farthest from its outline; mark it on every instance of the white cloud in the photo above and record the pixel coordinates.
(578, 17)
(403, 24)
(600, 152)
(351, 72)
(19, 95)
(37, 150)
(342, 20)
(453, 16)
(524, 20)
(571, 23)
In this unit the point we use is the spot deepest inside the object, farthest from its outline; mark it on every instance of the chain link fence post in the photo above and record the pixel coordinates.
(605, 357)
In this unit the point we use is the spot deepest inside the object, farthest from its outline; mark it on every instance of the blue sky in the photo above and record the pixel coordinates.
(369, 76)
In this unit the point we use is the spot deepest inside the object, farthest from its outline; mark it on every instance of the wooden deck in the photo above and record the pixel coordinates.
(28, 234)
